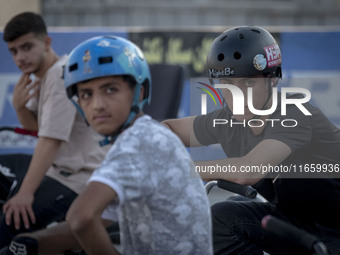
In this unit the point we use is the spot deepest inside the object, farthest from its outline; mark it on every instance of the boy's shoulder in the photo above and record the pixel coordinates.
(57, 68)
(53, 79)
(150, 127)
(147, 132)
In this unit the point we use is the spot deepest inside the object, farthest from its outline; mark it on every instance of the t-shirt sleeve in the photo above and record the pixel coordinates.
(294, 129)
(204, 129)
(58, 113)
(125, 170)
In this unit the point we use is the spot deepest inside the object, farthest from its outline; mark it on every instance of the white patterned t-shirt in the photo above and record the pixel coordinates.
(162, 205)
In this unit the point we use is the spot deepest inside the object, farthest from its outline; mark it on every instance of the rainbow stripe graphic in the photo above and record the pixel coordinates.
(209, 93)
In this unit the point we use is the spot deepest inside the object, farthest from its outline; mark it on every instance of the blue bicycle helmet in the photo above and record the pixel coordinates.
(107, 56)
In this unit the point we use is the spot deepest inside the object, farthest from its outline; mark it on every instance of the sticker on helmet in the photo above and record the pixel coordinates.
(130, 54)
(106, 43)
(228, 71)
(133, 60)
(139, 53)
(260, 62)
(273, 54)
(86, 59)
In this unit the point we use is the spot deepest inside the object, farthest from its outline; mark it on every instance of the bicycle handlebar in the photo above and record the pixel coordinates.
(20, 131)
(243, 190)
(294, 234)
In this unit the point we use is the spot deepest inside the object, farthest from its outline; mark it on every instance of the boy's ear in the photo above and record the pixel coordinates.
(48, 41)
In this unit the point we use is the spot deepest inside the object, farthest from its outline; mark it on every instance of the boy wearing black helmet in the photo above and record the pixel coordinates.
(247, 61)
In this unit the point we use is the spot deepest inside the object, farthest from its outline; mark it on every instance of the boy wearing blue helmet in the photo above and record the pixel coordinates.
(144, 182)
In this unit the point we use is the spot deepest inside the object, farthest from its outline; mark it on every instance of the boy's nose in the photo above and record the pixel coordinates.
(20, 56)
(98, 102)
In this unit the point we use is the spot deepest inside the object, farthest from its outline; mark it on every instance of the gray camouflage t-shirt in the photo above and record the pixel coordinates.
(162, 207)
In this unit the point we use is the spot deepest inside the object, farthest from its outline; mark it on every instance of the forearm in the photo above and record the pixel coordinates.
(94, 238)
(183, 128)
(44, 154)
(27, 119)
(84, 218)
(55, 239)
(230, 169)
(24, 90)
(249, 169)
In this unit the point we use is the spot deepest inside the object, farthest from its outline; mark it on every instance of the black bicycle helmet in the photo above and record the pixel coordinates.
(242, 52)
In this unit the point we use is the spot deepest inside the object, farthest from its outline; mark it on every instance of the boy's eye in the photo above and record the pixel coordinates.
(13, 52)
(111, 90)
(84, 95)
(27, 47)
(249, 83)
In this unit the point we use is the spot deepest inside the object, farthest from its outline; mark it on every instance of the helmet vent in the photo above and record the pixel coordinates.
(237, 55)
(241, 36)
(222, 39)
(220, 57)
(73, 67)
(256, 31)
(104, 60)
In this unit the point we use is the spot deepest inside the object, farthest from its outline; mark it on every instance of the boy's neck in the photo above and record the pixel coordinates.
(138, 115)
(258, 130)
(49, 61)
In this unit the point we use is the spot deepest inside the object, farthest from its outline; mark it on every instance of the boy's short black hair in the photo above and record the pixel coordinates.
(22, 24)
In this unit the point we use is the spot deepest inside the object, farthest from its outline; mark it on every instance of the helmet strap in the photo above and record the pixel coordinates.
(270, 92)
(80, 110)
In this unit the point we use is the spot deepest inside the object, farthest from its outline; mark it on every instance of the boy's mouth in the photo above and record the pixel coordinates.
(100, 118)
